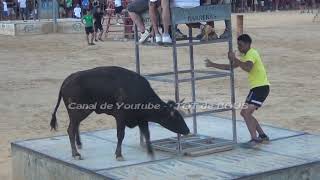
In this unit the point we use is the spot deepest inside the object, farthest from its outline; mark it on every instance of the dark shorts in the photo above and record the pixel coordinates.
(98, 27)
(117, 10)
(89, 30)
(258, 95)
(5, 13)
(138, 6)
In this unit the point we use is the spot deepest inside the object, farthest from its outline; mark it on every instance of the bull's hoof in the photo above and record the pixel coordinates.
(119, 158)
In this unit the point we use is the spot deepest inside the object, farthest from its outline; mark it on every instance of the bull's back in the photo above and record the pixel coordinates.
(108, 84)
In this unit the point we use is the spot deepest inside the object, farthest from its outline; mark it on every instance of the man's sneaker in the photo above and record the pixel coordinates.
(158, 38)
(253, 142)
(225, 34)
(166, 38)
(265, 139)
(144, 36)
(180, 35)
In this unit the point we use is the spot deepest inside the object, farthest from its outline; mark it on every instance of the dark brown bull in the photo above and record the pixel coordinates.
(104, 90)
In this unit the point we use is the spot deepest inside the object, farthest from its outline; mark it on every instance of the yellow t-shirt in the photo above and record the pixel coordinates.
(258, 75)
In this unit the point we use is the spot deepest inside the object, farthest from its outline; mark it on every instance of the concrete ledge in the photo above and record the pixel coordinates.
(33, 28)
(68, 26)
(18, 28)
(7, 29)
(291, 155)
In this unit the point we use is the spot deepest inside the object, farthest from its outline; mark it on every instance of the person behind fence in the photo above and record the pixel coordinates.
(35, 10)
(23, 9)
(98, 15)
(87, 20)
(69, 8)
(165, 16)
(62, 11)
(5, 12)
(250, 62)
(77, 11)
(85, 4)
(135, 10)
(95, 5)
(118, 10)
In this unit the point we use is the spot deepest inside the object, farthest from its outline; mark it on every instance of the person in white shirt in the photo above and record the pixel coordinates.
(77, 11)
(23, 9)
(5, 10)
(118, 10)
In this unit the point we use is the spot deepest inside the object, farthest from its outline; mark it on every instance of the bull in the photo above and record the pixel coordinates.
(123, 91)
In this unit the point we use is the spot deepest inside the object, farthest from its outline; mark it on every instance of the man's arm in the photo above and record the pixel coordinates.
(246, 66)
(219, 66)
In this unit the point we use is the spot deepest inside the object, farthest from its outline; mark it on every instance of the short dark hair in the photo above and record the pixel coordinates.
(245, 38)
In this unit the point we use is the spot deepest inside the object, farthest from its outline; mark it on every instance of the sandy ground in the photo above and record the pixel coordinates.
(33, 68)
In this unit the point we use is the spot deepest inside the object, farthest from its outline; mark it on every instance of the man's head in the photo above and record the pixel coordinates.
(244, 43)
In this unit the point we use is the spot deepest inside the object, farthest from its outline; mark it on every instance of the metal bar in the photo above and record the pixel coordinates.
(202, 42)
(193, 86)
(234, 125)
(137, 65)
(211, 146)
(167, 80)
(211, 111)
(188, 71)
(167, 73)
(204, 77)
(176, 71)
(188, 43)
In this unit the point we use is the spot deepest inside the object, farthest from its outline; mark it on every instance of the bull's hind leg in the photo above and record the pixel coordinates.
(120, 135)
(76, 116)
(78, 139)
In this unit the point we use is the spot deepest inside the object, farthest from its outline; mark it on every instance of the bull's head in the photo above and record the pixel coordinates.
(173, 120)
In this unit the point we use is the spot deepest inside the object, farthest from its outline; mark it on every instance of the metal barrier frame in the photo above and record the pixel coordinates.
(184, 16)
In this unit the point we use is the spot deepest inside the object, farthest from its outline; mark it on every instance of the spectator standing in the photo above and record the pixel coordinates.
(77, 11)
(5, 12)
(23, 9)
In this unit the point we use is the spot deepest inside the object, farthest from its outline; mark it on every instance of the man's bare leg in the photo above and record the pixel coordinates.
(92, 37)
(166, 15)
(259, 129)
(138, 21)
(251, 122)
(153, 16)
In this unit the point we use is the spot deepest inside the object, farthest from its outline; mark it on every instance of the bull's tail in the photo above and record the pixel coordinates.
(53, 122)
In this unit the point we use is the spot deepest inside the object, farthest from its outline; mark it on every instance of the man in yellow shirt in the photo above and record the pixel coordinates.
(250, 62)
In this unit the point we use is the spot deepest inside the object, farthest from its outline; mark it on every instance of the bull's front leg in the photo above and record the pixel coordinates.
(144, 129)
(120, 135)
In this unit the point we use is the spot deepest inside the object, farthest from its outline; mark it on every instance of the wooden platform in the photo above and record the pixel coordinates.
(291, 155)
